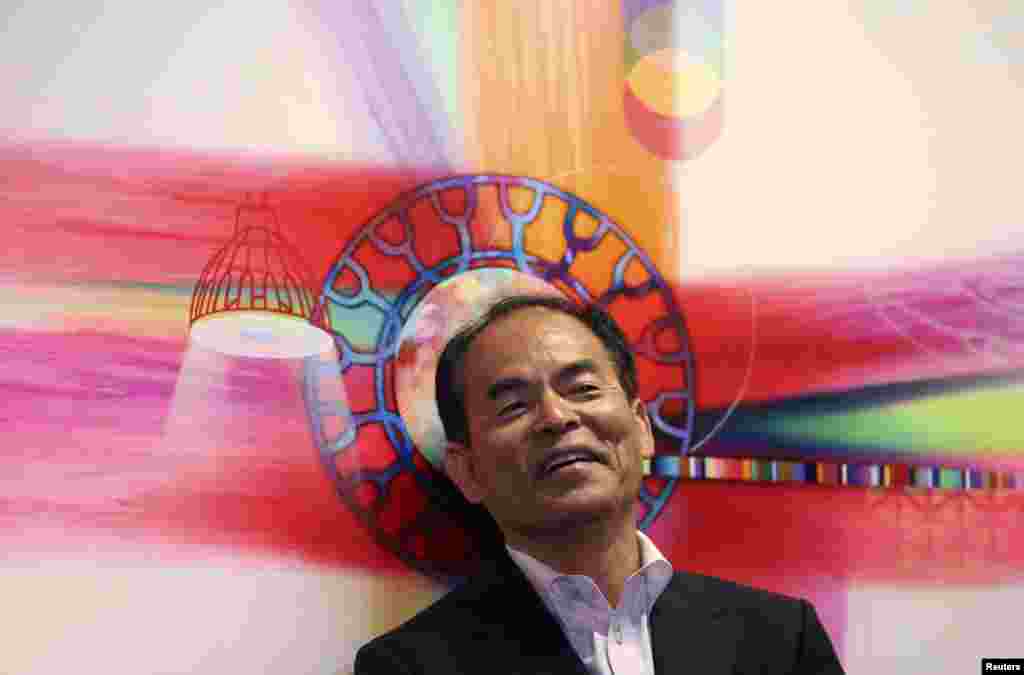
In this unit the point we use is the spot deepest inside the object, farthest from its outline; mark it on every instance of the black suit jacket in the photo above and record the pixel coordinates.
(496, 624)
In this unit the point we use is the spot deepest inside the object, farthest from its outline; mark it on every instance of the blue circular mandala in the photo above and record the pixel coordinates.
(393, 261)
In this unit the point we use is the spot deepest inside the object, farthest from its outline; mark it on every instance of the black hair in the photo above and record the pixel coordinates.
(449, 387)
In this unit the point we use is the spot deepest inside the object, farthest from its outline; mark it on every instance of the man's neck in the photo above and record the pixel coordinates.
(608, 553)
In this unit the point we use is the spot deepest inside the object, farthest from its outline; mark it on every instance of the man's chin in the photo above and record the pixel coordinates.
(582, 503)
(558, 506)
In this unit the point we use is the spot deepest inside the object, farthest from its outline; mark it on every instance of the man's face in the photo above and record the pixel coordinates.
(554, 440)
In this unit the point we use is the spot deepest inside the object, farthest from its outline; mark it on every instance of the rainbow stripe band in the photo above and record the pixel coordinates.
(833, 473)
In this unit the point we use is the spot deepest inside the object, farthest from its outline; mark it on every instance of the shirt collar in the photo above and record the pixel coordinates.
(653, 565)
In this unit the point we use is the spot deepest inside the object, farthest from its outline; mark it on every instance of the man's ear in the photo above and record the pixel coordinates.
(461, 469)
(644, 419)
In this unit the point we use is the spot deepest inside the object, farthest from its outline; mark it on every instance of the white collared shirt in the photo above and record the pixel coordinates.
(609, 641)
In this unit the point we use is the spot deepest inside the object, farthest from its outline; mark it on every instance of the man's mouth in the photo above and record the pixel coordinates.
(563, 458)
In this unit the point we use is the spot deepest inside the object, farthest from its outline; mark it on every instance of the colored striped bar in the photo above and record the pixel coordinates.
(749, 469)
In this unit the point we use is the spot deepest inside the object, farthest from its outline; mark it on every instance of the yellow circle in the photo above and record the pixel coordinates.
(671, 83)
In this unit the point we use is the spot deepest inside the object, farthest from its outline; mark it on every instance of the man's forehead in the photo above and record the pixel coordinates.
(532, 336)
(539, 324)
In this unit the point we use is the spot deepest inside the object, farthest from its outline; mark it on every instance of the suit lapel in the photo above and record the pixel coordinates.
(517, 633)
(690, 632)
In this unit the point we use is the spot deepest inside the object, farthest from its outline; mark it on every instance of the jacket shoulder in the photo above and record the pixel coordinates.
(733, 595)
(431, 635)
(461, 604)
(779, 633)
(713, 596)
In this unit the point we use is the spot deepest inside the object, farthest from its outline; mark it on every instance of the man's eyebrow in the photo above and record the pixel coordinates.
(581, 367)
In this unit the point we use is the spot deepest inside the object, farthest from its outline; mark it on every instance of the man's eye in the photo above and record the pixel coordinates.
(585, 389)
(510, 408)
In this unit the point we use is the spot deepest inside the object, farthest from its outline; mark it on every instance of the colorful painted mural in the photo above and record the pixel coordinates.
(824, 281)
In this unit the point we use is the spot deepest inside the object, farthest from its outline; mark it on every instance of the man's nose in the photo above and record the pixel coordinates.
(555, 414)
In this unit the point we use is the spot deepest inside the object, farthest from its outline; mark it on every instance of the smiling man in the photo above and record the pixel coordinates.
(539, 403)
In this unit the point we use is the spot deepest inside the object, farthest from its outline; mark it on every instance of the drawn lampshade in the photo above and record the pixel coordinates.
(255, 296)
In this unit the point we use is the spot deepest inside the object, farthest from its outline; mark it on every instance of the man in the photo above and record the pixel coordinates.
(539, 403)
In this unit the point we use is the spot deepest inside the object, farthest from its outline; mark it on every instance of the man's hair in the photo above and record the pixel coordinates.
(449, 387)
